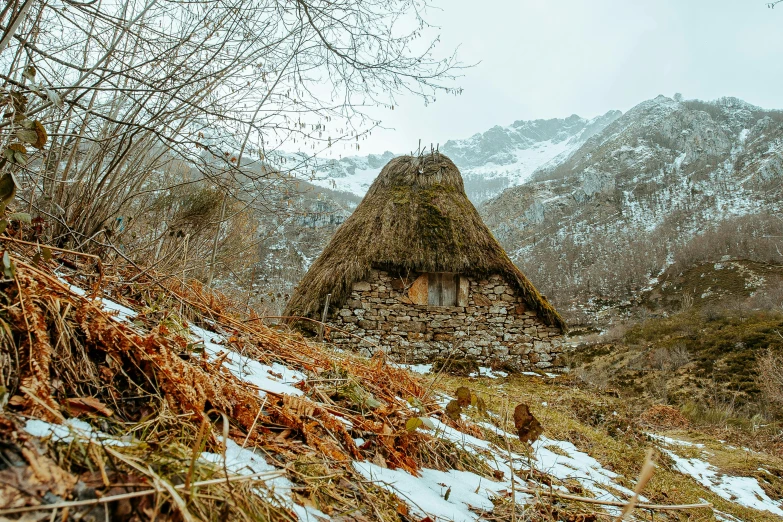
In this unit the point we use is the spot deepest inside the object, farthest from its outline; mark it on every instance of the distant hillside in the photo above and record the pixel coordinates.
(596, 209)
(490, 162)
(667, 182)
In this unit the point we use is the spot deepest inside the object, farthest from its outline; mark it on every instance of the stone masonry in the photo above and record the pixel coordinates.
(494, 327)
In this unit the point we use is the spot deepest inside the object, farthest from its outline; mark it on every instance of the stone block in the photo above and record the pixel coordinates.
(542, 347)
(481, 300)
(362, 286)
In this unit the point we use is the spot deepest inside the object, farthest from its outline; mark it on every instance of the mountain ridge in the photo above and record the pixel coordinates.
(622, 202)
(624, 206)
(490, 161)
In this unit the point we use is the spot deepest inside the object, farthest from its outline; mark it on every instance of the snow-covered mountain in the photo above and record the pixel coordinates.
(593, 211)
(490, 162)
(652, 189)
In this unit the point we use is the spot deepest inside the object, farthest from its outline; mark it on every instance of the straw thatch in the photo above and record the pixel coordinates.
(415, 217)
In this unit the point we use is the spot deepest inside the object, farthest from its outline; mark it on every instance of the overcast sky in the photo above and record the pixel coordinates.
(554, 58)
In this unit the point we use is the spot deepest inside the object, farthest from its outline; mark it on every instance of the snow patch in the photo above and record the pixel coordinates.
(275, 378)
(426, 495)
(244, 461)
(70, 430)
(745, 491)
(416, 368)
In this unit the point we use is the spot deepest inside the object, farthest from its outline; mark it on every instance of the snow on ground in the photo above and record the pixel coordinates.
(489, 372)
(745, 491)
(674, 442)
(275, 378)
(426, 495)
(545, 374)
(239, 461)
(483, 371)
(740, 490)
(559, 459)
(244, 461)
(73, 428)
(123, 313)
(416, 368)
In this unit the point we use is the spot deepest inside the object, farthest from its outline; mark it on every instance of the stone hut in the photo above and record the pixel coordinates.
(416, 273)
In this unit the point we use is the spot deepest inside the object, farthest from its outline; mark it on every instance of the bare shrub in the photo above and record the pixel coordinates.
(755, 237)
(770, 376)
(712, 312)
(679, 356)
(596, 377)
(658, 386)
(659, 359)
(669, 359)
(616, 332)
(769, 298)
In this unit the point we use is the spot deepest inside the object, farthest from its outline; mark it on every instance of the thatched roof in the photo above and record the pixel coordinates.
(414, 217)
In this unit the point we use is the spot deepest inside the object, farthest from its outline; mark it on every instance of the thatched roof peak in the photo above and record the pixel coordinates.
(415, 217)
(419, 172)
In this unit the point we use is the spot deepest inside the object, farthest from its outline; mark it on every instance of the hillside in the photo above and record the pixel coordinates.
(489, 161)
(146, 400)
(666, 183)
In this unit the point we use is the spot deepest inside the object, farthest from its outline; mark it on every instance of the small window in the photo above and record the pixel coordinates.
(442, 289)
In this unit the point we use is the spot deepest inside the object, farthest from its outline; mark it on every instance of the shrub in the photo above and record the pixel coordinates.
(770, 376)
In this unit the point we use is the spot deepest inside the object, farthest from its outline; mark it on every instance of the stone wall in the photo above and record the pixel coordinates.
(494, 326)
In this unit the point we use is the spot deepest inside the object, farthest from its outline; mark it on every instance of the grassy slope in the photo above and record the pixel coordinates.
(569, 411)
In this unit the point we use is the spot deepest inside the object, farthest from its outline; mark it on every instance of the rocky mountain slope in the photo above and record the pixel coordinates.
(667, 183)
(596, 209)
(490, 162)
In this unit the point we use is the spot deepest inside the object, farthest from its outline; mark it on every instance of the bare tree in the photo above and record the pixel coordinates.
(131, 100)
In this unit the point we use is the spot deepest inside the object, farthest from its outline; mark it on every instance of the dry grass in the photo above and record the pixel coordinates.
(175, 403)
(58, 346)
(617, 440)
(770, 376)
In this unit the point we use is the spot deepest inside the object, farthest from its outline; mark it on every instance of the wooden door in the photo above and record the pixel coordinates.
(442, 289)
